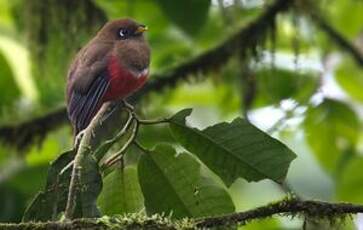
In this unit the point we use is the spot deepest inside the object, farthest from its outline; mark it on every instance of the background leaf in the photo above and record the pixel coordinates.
(331, 129)
(8, 88)
(233, 150)
(349, 186)
(350, 78)
(197, 13)
(278, 84)
(172, 184)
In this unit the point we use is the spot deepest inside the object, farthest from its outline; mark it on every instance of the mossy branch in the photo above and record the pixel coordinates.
(23, 135)
(343, 43)
(290, 206)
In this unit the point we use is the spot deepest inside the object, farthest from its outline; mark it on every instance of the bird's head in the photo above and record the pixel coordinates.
(129, 44)
(122, 30)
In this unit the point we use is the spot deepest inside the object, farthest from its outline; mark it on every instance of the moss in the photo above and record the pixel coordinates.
(141, 221)
(55, 30)
(129, 221)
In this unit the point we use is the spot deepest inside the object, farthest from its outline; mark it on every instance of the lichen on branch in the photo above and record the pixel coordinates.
(287, 207)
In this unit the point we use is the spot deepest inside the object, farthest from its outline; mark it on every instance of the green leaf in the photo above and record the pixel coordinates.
(40, 209)
(326, 224)
(176, 12)
(270, 223)
(50, 202)
(350, 78)
(331, 129)
(278, 84)
(346, 16)
(233, 150)
(90, 187)
(21, 181)
(12, 203)
(121, 192)
(350, 184)
(172, 184)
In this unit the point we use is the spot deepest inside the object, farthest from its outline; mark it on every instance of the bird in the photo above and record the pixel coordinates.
(111, 66)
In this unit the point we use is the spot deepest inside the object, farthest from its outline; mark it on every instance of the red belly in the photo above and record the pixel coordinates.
(122, 82)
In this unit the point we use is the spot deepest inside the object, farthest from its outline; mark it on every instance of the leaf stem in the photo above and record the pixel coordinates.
(107, 144)
(153, 122)
(139, 146)
(119, 154)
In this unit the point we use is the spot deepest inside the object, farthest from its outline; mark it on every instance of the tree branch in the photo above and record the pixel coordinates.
(338, 38)
(109, 120)
(21, 136)
(292, 207)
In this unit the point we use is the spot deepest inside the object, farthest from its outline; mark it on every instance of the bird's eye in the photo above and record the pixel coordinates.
(124, 33)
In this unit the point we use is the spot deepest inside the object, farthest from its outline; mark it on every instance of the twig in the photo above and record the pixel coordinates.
(287, 115)
(153, 122)
(82, 151)
(107, 144)
(338, 38)
(68, 166)
(100, 129)
(119, 154)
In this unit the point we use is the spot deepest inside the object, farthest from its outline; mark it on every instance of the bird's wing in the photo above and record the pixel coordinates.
(87, 84)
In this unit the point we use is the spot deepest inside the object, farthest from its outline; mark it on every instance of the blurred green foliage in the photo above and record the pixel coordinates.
(326, 91)
(9, 90)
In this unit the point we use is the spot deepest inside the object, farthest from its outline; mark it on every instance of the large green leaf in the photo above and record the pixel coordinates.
(197, 11)
(233, 150)
(172, 183)
(121, 192)
(89, 189)
(50, 202)
(331, 128)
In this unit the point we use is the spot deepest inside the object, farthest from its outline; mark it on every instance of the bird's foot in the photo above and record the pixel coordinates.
(128, 106)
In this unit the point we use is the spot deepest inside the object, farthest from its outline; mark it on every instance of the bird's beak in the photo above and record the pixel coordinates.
(141, 29)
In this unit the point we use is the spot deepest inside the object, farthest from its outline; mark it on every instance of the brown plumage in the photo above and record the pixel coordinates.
(113, 65)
